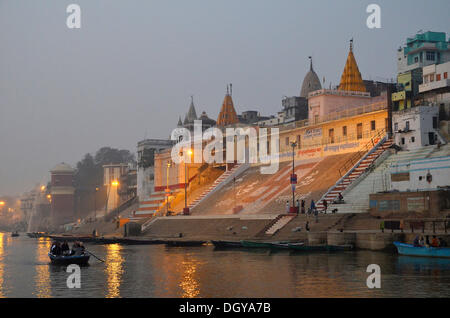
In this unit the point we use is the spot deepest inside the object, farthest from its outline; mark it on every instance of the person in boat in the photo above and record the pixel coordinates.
(416, 241)
(442, 243)
(427, 240)
(421, 241)
(56, 248)
(77, 249)
(65, 248)
(435, 241)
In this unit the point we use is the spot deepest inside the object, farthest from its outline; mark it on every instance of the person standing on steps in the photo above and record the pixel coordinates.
(303, 207)
(325, 206)
(287, 207)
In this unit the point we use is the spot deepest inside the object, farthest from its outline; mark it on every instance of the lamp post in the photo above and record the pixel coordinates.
(95, 203)
(167, 188)
(186, 209)
(293, 178)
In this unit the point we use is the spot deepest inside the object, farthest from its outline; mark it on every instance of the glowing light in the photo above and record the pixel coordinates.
(115, 183)
(42, 188)
(49, 196)
(189, 152)
(2, 203)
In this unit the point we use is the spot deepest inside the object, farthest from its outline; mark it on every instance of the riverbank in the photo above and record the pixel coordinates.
(360, 230)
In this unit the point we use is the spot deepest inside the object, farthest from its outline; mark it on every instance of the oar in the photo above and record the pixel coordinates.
(95, 256)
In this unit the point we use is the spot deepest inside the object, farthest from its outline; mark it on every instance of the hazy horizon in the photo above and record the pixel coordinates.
(130, 70)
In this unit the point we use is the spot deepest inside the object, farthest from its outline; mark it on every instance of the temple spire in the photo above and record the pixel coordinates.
(351, 79)
(310, 63)
(227, 115)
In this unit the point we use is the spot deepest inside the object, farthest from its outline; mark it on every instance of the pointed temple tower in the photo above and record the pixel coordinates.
(351, 79)
(350, 94)
(227, 114)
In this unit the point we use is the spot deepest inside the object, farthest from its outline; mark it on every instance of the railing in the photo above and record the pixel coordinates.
(355, 157)
(337, 115)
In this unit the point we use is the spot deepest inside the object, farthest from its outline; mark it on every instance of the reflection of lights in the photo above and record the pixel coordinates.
(42, 278)
(190, 286)
(114, 269)
(1, 265)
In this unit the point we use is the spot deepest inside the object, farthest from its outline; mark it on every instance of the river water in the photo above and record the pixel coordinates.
(161, 271)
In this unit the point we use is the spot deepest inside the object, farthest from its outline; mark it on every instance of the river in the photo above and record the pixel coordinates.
(161, 271)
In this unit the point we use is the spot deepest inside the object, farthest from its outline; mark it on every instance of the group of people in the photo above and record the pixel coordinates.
(435, 242)
(63, 249)
(300, 206)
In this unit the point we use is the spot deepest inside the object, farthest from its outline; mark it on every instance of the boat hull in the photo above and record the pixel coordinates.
(67, 260)
(422, 251)
(224, 244)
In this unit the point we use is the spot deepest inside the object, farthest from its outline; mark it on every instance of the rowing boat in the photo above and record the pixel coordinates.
(411, 250)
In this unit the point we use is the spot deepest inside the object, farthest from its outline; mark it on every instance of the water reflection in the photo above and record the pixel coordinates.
(2, 270)
(42, 278)
(114, 269)
(189, 283)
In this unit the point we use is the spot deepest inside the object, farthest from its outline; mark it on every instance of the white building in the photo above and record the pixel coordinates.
(146, 150)
(416, 127)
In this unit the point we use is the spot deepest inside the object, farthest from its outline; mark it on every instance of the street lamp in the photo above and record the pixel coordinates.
(186, 209)
(293, 178)
(95, 203)
(167, 188)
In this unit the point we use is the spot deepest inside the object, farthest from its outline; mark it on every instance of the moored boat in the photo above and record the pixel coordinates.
(67, 260)
(285, 245)
(185, 243)
(223, 244)
(15, 234)
(424, 251)
(254, 244)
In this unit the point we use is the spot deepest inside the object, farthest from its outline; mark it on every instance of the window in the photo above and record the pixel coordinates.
(407, 125)
(331, 135)
(344, 131)
(359, 132)
(416, 60)
(435, 122)
(298, 141)
(431, 77)
(438, 77)
(431, 56)
(287, 141)
(445, 75)
(413, 139)
(396, 127)
(425, 79)
(403, 141)
(372, 125)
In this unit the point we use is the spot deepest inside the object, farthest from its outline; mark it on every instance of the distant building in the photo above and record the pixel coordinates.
(191, 116)
(422, 50)
(146, 150)
(435, 89)
(62, 194)
(416, 127)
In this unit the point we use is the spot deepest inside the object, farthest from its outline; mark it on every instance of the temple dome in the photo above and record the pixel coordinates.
(62, 167)
(311, 82)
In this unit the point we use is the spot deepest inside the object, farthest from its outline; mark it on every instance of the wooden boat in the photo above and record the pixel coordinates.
(15, 234)
(224, 244)
(256, 244)
(323, 247)
(185, 243)
(411, 250)
(285, 245)
(67, 260)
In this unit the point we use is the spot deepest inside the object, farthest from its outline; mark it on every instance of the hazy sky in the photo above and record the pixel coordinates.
(127, 74)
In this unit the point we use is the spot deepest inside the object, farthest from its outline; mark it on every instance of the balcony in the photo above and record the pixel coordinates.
(426, 87)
